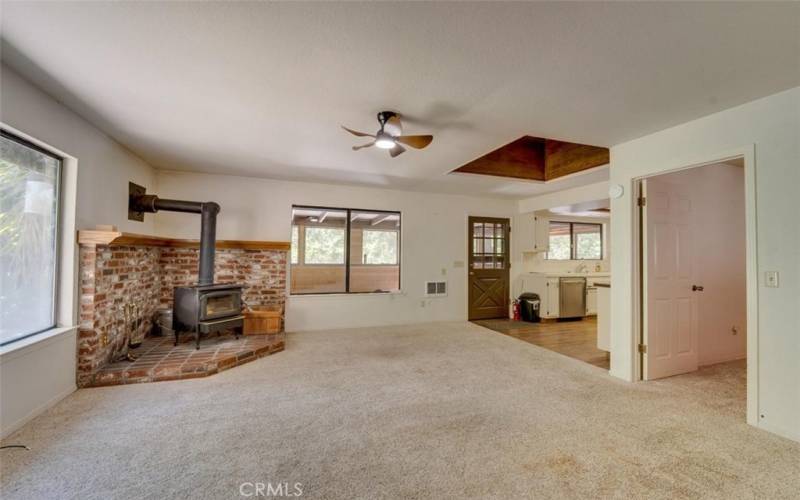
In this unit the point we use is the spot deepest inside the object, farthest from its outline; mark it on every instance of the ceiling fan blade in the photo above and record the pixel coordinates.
(415, 141)
(356, 133)
(356, 148)
(396, 150)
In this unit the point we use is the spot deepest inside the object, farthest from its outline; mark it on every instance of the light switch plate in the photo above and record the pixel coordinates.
(771, 279)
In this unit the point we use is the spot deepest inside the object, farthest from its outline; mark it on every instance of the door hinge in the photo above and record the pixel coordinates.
(642, 201)
(642, 349)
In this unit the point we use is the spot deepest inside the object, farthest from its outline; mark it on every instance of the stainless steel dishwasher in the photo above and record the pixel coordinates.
(572, 297)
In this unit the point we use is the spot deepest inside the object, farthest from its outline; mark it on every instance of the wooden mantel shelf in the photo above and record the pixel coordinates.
(94, 237)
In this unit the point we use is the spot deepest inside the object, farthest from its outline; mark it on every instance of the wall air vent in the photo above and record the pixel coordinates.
(435, 288)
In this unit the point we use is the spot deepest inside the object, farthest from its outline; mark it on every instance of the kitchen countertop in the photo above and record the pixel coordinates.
(573, 275)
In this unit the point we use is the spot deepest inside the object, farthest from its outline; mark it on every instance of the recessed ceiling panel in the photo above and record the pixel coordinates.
(537, 159)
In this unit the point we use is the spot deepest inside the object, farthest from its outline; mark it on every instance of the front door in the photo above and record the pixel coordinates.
(488, 267)
(670, 294)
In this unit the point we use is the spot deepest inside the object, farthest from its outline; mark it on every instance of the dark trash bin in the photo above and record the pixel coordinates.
(529, 307)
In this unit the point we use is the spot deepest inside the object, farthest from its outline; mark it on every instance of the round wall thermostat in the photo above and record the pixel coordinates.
(615, 191)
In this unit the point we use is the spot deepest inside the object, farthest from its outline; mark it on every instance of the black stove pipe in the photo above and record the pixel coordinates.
(208, 211)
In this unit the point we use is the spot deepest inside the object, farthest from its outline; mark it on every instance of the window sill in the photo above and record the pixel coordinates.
(34, 342)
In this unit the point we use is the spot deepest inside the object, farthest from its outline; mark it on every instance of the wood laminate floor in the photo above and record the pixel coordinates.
(576, 339)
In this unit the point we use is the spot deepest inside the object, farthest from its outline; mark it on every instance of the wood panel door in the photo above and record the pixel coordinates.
(488, 267)
(670, 322)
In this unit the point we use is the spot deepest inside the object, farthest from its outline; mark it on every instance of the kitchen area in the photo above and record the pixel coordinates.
(562, 292)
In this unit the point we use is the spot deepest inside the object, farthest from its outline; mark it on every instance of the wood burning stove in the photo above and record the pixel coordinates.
(205, 307)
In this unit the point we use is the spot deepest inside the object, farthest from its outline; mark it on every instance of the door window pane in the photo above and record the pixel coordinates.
(29, 191)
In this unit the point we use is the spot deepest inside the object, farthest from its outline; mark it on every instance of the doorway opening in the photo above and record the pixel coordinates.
(562, 285)
(693, 273)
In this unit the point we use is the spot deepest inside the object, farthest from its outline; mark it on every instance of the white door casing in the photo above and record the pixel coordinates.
(670, 321)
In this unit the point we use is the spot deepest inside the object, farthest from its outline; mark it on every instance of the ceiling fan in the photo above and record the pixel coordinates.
(390, 136)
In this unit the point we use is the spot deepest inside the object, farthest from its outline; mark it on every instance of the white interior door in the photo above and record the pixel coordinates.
(670, 312)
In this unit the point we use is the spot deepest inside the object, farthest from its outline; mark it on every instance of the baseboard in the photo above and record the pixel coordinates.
(723, 359)
(10, 429)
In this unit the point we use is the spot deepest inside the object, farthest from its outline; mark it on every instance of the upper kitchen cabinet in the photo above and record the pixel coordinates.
(533, 233)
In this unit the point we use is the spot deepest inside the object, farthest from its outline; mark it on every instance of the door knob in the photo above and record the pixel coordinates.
(471, 273)
(696, 288)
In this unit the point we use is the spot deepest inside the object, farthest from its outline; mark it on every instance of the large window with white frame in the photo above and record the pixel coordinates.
(343, 250)
(30, 180)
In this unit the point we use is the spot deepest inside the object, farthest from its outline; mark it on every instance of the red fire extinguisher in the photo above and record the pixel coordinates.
(516, 313)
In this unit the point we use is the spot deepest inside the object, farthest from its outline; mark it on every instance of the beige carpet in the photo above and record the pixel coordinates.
(433, 411)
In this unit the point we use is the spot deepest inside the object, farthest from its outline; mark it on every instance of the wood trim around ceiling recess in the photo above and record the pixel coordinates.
(92, 237)
(537, 159)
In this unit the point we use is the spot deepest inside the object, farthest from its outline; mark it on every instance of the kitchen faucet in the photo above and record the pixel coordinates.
(581, 268)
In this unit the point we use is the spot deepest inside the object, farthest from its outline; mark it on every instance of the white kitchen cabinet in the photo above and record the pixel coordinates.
(550, 309)
(541, 234)
(591, 299)
(532, 233)
(524, 232)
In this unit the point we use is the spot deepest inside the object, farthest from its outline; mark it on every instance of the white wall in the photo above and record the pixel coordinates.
(37, 372)
(580, 194)
(104, 166)
(718, 238)
(434, 238)
(771, 127)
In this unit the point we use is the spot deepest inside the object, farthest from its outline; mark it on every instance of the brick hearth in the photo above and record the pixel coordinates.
(160, 360)
(121, 270)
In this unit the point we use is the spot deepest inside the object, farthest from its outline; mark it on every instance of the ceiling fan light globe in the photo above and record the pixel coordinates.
(384, 142)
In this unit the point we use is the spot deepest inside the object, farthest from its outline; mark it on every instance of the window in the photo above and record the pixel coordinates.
(560, 247)
(575, 241)
(588, 241)
(379, 247)
(337, 250)
(29, 200)
(324, 245)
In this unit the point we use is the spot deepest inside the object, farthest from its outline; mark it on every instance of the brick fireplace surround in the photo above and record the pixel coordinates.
(119, 268)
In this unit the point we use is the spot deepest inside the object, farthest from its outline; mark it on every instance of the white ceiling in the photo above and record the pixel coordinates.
(261, 88)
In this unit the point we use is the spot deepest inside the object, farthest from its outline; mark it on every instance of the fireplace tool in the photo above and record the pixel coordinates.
(137, 334)
(122, 353)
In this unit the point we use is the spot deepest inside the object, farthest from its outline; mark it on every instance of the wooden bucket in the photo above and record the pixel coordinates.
(260, 320)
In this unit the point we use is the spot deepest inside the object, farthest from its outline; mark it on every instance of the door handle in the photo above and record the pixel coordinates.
(696, 288)
(471, 273)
